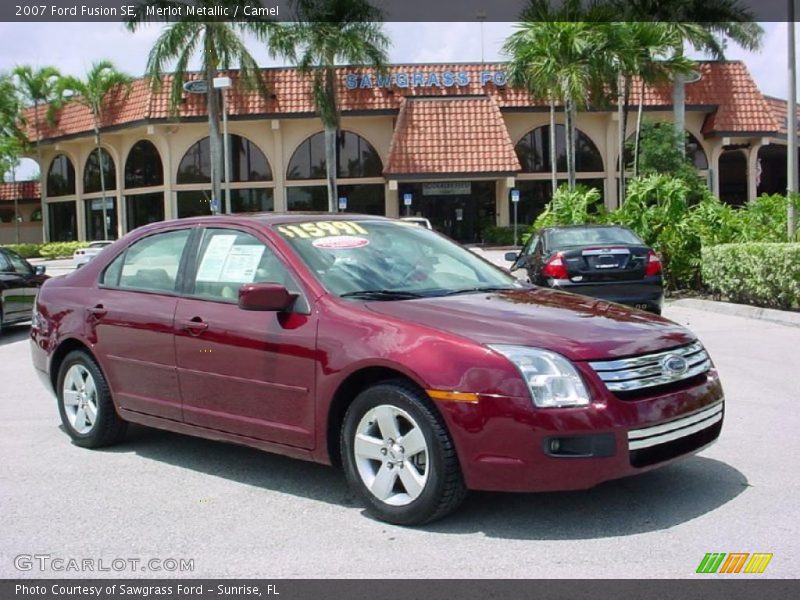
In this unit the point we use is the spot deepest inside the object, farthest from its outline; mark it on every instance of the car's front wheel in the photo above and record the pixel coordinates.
(398, 456)
(85, 404)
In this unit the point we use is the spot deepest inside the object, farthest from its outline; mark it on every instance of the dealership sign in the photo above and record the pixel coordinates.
(422, 79)
(447, 188)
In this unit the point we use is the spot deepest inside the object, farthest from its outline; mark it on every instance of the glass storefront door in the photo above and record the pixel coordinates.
(460, 210)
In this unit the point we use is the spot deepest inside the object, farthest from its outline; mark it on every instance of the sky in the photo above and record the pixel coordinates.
(73, 47)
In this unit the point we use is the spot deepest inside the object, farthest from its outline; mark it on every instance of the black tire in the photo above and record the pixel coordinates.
(107, 427)
(443, 490)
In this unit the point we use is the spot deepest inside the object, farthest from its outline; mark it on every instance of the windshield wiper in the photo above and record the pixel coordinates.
(382, 295)
(477, 290)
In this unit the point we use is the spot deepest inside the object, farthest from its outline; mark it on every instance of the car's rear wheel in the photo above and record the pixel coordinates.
(398, 455)
(85, 404)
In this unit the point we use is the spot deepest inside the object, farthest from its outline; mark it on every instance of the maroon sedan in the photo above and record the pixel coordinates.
(381, 346)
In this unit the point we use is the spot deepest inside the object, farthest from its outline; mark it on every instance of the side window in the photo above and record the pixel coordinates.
(228, 259)
(18, 264)
(150, 264)
(529, 247)
(5, 266)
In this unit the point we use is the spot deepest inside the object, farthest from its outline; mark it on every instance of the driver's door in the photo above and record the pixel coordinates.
(251, 373)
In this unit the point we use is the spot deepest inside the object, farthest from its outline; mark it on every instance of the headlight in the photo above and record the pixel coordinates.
(552, 379)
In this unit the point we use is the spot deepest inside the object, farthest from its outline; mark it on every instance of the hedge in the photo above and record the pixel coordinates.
(761, 274)
(49, 250)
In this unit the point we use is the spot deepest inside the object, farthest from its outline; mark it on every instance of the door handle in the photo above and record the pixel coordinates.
(98, 311)
(195, 325)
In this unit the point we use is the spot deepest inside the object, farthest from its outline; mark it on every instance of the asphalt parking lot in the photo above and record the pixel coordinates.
(239, 512)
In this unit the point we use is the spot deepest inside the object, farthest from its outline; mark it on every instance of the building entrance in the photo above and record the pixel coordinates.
(461, 210)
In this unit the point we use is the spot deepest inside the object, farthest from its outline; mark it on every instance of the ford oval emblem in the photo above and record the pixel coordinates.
(674, 365)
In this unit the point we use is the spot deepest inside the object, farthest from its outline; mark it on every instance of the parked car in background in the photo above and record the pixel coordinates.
(603, 261)
(423, 376)
(421, 221)
(84, 255)
(19, 283)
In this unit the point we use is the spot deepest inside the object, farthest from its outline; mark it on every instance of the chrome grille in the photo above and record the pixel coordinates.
(648, 370)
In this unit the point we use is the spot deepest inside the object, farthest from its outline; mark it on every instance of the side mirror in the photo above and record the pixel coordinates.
(39, 270)
(265, 296)
(512, 256)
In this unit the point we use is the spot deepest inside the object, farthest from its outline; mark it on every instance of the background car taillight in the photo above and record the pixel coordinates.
(554, 267)
(653, 266)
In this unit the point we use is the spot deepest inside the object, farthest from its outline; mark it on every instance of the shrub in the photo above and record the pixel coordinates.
(53, 250)
(501, 236)
(762, 274)
(657, 209)
(25, 250)
(581, 205)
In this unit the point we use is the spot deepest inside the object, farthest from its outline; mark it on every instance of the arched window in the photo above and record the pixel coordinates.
(694, 151)
(91, 172)
(533, 151)
(356, 158)
(143, 167)
(248, 162)
(61, 177)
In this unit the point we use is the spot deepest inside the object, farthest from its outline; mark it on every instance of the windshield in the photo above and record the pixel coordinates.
(585, 236)
(389, 260)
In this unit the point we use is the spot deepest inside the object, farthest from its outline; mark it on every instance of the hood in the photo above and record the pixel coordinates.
(578, 327)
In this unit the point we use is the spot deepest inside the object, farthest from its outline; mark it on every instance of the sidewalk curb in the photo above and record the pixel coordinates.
(740, 310)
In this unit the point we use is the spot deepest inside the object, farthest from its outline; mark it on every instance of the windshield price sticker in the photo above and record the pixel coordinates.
(340, 242)
(322, 229)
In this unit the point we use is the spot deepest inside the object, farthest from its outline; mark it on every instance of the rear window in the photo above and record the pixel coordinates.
(564, 238)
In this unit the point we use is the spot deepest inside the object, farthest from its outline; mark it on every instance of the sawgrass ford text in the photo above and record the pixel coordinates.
(170, 12)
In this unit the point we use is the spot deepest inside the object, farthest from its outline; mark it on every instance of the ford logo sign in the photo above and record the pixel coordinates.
(674, 365)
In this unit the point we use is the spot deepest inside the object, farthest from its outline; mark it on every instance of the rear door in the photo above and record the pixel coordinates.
(251, 373)
(130, 321)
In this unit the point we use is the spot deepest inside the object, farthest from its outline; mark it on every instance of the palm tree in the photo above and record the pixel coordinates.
(220, 45)
(101, 81)
(703, 24)
(325, 33)
(558, 49)
(539, 77)
(638, 49)
(12, 140)
(37, 87)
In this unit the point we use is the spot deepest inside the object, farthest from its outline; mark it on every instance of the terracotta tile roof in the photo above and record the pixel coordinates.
(19, 190)
(778, 108)
(724, 86)
(451, 135)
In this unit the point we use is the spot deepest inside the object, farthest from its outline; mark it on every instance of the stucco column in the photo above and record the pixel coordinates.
(716, 152)
(122, 216)
(278, 167)
(170, 201)
(43, 199)
(752, 171)
(391, 201)
(612, 200)
(501, 211)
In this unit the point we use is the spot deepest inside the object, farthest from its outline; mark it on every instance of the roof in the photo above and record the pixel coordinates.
(725, 87)
(19, 190)
(779, 107)
(451, 135)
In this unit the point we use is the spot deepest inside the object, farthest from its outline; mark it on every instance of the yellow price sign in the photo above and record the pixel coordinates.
(322, 229)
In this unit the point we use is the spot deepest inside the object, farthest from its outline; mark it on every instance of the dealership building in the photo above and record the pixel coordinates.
(445, 141)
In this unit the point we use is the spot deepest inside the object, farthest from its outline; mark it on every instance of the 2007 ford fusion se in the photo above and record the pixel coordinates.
(379, 345)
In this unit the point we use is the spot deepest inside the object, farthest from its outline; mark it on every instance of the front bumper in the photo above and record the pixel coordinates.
(505, 445)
